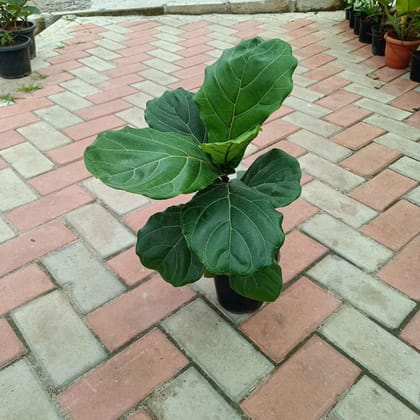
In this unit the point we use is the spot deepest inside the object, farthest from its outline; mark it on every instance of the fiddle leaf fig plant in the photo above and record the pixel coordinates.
(194, 144)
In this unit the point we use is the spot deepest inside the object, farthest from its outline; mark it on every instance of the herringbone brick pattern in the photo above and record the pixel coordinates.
(86, 332)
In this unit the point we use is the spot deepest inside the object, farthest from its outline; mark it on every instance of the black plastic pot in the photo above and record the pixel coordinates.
(231, 300)
(415, 67)
(28, 28)
(378, 40)
(15, 61)
(351, 18)
(365, 31)
(357, 18)
(348, 11)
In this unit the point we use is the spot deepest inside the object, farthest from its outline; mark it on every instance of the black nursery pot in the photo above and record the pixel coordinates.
(415, 67)
(348, 9)
(357, 18)
(28, 28)
(231, 300)
(351, 18)
(14, 59)
(365, 31)
(378, 40)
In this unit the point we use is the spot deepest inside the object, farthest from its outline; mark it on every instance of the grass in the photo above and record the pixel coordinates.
(7, 97)
(30, 88)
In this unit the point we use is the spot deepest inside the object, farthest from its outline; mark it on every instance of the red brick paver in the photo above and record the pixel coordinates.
(128, 266)
(382, 190)
(370, 159)
(358, 135)
(135, 311)
(48, 208)
(299, 252)
(295, 315)
(347, 115)
(402, 272)
(110, 390)
(11, 347)
(32, 245)
(396, 226)
(303, 387)
(411, 333)
(22, 286)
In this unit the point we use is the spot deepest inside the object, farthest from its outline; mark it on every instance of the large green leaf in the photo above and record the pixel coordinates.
(404, 6)
(229, 154)
(264, 285)
(175, 111)
(277, 175)
(232, 228)
(244, 86)
(161, 246)
(150, 162)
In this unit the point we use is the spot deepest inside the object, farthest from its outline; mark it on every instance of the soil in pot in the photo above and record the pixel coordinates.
(378, 40)
(231, 300)
(415, 67)
(15, 61)
(398, 53)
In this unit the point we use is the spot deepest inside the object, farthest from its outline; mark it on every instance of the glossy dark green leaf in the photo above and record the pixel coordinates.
(161, 246)
(229, 154)
(244, 86)
(150, 162)
(277, 175)
(176, 112)
(232, 228)
(264, 285)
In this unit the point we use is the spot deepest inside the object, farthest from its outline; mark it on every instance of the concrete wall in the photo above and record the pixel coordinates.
(257, 6)
(310, 5)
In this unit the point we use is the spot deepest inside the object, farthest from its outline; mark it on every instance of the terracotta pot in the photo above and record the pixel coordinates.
(398, 53)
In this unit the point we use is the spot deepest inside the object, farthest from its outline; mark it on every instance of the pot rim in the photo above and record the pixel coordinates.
(25, 44)
(400, 42)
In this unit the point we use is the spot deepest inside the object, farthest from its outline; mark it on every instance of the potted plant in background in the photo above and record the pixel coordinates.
(378, 30)
(15, 60)
(195, 143)
(358, 13)
(404, 36)
(14, 16)
(350, 13)
(372, 14)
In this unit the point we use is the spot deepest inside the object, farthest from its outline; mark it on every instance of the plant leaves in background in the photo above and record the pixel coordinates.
(150, 162)
(161, 246)
(264, 285)
(277, 175)
(176, 112)
(244, 86)
(232, 228)
(230, 153)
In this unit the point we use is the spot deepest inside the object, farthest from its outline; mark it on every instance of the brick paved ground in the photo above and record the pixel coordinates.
(87, 333)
